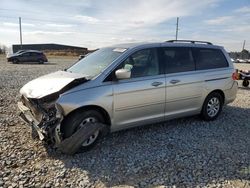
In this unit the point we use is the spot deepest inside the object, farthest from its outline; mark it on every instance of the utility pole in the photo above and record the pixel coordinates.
(20, 28)
(244, 43)
(177, 28)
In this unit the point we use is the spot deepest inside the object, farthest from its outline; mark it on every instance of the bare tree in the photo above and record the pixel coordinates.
(3, 49)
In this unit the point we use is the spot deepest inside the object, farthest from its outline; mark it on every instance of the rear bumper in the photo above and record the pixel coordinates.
(231, 93)
(27, 117)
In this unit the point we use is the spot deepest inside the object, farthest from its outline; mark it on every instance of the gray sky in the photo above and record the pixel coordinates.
(96, 23)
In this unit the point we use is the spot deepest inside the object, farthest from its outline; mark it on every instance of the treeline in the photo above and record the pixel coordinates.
(3, 49)
(244, 54)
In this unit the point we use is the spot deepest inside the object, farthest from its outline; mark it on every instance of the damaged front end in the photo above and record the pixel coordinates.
(39, 109)
(43, 118)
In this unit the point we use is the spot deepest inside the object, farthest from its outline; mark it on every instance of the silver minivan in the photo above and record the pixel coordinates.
(128, 85)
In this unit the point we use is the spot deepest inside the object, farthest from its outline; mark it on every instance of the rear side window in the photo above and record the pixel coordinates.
(178, 60)
(209, 59)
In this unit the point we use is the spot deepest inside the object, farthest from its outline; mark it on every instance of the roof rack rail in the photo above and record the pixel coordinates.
(191, 41)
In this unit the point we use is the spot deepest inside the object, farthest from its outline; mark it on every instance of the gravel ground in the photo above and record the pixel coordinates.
(179, 153)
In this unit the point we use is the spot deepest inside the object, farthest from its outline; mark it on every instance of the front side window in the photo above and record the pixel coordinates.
(142, 63)
(178, 60)
(26, 54)
(96, 62)
(209, 59)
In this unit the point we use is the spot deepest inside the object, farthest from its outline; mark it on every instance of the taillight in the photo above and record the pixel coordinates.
(235, 75)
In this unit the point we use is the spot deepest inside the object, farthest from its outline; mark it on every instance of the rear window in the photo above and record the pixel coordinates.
(209, 59)
(178, 60)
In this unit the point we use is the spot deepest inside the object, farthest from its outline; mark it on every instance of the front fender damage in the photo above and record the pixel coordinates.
(40, 110)
(46, 124)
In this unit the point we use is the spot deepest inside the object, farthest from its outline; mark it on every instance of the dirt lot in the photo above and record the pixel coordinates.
(183, 153)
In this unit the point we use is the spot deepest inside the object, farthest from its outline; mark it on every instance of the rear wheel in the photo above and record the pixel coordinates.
(212, 106)
(245, 83)
(78, 120)
(40, 61)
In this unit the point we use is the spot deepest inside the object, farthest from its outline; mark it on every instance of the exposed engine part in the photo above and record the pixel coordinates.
(43, 121)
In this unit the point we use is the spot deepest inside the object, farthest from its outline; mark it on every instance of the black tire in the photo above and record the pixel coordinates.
(15, 61)
(72, 123)
(40, 61)
(245, 83)
(207, 112)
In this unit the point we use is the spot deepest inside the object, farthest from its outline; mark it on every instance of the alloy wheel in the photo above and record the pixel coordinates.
(213, 107)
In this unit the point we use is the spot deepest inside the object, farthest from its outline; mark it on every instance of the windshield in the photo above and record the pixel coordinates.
(96, 62)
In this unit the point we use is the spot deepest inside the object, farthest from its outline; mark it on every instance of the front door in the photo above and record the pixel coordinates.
(140, 99)
(25, 57)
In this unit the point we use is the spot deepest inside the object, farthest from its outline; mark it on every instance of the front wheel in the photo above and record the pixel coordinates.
(15, 61)
(78, 120)
(212, 106)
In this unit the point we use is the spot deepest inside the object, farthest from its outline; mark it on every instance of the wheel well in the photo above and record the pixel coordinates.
(220, 92)
(103, 112)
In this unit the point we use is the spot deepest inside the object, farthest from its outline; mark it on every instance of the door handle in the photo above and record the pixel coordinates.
(156, 84)
(174, 81)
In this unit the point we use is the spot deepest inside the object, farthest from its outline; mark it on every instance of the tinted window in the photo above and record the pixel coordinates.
(178, 60)
(34, 54)
(26, 54)
(209, 59)
(142, 63)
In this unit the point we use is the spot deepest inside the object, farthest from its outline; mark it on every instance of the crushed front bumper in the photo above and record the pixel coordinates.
(48, 131)
(27, 116)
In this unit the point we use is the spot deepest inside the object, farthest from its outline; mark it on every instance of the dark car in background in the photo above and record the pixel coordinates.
(83, 56)
(27, 56)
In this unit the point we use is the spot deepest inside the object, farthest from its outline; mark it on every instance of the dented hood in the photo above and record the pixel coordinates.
(49, 84)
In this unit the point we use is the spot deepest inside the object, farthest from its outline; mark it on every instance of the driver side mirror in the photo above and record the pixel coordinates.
(122, 74)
